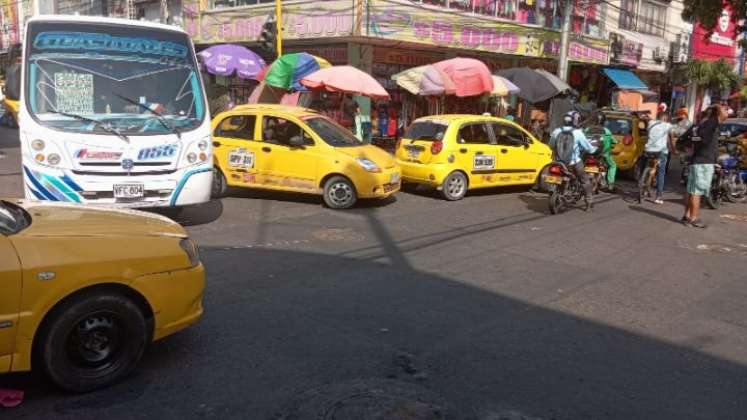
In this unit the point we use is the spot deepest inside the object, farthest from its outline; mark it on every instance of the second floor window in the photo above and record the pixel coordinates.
(627, 14)
(645, 16)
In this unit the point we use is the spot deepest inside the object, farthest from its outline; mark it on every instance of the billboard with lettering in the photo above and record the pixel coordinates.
(720, 44)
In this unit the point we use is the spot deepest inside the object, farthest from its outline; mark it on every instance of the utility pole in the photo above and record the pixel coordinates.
(565, 37)
(279, 22)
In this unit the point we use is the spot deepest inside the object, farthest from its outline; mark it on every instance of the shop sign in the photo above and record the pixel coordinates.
(337, 55)
(405, 57)
(327, 19)
(9, 20)
(720, 45)
(626, 51)
(399, 20)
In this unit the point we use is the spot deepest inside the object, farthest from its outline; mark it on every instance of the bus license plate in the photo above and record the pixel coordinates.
(552, 179)
(128, 190)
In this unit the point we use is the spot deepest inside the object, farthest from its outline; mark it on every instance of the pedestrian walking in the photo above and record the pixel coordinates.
(702, 164)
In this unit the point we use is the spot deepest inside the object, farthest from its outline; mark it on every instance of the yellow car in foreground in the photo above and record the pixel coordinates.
(294, 149)
(84, 290)
(456, 153)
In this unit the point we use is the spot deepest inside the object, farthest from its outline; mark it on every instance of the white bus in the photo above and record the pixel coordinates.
(113, 112)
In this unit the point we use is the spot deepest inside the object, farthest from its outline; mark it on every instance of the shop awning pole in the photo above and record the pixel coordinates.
(279, 19)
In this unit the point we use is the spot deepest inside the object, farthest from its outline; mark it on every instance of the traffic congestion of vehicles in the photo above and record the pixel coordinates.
(110, 121)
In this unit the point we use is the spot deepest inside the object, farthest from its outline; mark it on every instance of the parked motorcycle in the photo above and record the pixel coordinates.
(729, 182)
(567, 189)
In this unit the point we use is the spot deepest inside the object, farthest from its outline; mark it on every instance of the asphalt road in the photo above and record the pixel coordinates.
(415, 308)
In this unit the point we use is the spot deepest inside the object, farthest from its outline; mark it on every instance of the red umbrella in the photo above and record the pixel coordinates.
(345, 79)
(470, 76)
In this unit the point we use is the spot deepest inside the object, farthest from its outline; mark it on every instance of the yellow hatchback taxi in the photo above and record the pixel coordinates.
(84, 290)
(456, 153)
(294, 149)
(630, 131)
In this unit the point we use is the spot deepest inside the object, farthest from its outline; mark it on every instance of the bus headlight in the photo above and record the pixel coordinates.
(37, 145)
(202, 145)
(191, 157)
(53, 159)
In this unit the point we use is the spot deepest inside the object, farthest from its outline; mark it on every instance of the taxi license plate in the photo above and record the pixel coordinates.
(591, 170)
(552, 179)
(394, 178)
(128, 191)
(413, 152)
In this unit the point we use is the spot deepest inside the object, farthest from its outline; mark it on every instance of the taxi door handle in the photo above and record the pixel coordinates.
(216, 144)
(462, 150)
(504, 151)
(266, 149)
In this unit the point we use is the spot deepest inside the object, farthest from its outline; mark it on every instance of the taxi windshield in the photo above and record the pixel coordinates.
(332, 133)
(426, 130)
(112, 79)
(619, 126)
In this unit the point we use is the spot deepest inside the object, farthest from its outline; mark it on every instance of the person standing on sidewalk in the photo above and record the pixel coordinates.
(702, 163)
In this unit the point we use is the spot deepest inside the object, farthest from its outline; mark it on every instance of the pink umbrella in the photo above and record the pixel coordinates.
(345, 79)
(471, 77)
(435, 82)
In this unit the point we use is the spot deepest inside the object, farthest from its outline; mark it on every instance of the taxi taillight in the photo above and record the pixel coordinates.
(436, 147)
(628, 140)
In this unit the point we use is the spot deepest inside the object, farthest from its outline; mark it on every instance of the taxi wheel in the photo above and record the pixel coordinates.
(92, 341)
(454, 187)
(219, 187)
(339, 193)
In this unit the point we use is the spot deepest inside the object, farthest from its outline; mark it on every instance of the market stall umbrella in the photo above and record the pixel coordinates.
(289, 69)
(345, 79)
(424, 80)
(471, 77)
(227, 59)
(534, 86)
(556, 81)
(503, 87)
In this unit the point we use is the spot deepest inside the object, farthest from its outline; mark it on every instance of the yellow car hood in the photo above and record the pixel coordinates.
(372, 153)
(56, 220)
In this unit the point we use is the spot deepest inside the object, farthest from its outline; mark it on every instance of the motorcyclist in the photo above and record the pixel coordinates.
(608, 141)
(571, 125)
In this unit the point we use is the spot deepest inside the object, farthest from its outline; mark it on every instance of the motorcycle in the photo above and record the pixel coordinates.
(729, 180)
(566, 188)
(595, 164)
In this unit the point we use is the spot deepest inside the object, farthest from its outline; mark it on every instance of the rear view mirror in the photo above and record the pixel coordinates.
(296, 141)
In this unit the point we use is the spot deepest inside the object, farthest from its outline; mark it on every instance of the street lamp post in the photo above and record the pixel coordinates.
(279, 20)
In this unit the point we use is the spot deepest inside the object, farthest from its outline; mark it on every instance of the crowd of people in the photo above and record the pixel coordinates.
(696, 143)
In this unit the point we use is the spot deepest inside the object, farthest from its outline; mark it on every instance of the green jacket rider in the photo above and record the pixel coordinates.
(608, 141)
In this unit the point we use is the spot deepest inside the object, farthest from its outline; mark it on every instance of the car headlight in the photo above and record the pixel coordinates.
(190, 248)
(368, 165)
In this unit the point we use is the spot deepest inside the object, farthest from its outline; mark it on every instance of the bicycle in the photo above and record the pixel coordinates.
(647, 180)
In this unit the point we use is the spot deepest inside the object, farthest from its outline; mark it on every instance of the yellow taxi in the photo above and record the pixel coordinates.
(294, 149)
(84, 290)
(456, 153)
(630, 131)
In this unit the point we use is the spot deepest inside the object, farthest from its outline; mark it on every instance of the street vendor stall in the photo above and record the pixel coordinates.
(234, 70)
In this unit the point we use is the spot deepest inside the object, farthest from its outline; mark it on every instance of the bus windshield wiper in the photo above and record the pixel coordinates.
(157, 114)
(105, 126)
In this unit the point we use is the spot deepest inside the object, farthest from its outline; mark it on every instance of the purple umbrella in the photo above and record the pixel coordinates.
(224, 60)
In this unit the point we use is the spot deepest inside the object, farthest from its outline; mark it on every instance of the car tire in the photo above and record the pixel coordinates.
(92, 341)
(339, 193)
(219, 187)
(454, 187)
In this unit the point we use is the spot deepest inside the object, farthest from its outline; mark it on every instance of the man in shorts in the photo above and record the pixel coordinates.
(702, 164)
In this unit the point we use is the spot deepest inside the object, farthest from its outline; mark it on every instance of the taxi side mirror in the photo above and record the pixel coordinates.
(296, 141)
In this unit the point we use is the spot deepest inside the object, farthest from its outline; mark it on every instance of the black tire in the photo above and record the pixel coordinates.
(556, 202)
(219, 187)
(713, 200)
(92, 341)
(339, 193)
(454, 187)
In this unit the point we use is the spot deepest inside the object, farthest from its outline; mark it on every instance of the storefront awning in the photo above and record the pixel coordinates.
(625, 79)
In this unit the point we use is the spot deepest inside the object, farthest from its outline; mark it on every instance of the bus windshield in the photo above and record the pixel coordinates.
(112, 80)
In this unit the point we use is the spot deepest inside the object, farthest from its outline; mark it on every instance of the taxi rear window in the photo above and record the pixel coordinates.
(426, 130)
(619, 126)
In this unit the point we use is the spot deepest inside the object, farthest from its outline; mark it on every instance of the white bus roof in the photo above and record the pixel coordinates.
(105, 20)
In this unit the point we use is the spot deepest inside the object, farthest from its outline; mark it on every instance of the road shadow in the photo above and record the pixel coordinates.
(280, 196)
(9, 138)
(659, 214)
(198, 214)
(431, 192)
(302, 335)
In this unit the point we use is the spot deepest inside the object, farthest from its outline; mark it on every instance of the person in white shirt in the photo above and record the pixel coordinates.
(660, 140)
